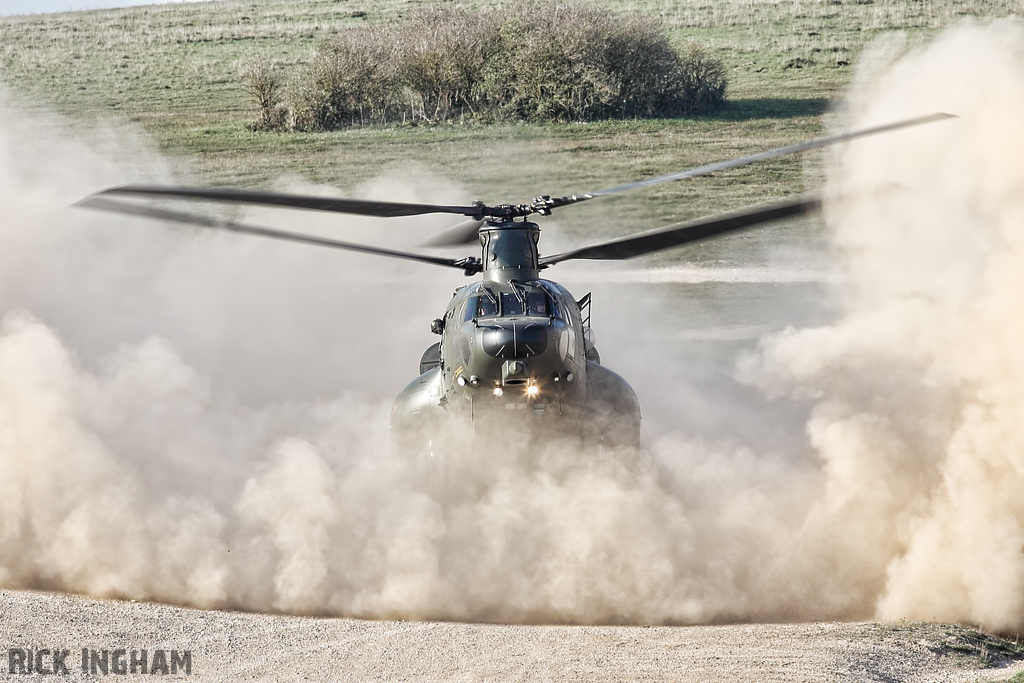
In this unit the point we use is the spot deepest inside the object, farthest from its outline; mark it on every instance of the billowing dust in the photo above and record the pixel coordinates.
(202, 418)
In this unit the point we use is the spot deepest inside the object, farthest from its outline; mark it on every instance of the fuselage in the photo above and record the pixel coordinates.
(514, 347)
(513, 343)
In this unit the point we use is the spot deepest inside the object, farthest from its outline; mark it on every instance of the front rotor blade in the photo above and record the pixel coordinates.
(359, 207)
(760, 156)
(675, 235)
(464, 233)
(206, 222)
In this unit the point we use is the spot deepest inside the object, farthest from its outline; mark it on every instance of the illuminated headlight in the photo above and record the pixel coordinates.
(532, 390)
(498, 391)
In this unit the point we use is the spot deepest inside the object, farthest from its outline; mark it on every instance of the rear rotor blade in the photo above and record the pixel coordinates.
(359, 207)
(742, 161)
(115, 206)
(464, 233)
(675, 235)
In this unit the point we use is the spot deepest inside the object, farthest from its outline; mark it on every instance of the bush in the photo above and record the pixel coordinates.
(701, 81)
(529, 61)
(552, 66)
(353, 80)
(441, 62)
(649, 73)
(263, 82)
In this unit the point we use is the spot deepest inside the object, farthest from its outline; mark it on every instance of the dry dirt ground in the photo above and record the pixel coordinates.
(242, 646)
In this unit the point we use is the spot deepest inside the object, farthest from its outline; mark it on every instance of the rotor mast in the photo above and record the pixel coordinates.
(510, 251)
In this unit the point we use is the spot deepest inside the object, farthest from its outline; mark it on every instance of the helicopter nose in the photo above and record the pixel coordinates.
(515, 339)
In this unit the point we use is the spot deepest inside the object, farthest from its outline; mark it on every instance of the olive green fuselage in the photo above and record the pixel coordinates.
(514, 354)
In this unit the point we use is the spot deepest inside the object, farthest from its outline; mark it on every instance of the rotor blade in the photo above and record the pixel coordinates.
(466, 232)
(681, 233)
(203, 221)
(760, 156)
(359, 207)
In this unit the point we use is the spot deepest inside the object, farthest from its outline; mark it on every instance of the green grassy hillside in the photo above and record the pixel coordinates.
(173, 69)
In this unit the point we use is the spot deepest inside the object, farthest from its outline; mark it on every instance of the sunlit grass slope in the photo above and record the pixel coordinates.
(173, 69)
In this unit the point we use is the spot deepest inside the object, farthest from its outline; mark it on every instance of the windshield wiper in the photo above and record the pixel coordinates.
(490, 295)
(520, 295)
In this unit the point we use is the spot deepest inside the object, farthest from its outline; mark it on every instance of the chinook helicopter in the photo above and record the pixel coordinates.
(516, 350)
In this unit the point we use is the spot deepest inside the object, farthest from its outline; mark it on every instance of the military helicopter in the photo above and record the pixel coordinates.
(516, 351)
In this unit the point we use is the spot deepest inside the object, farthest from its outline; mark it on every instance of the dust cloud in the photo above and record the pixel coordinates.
(202, 419)
(918, 389)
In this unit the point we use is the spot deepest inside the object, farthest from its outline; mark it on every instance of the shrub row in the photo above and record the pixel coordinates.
(534, 62)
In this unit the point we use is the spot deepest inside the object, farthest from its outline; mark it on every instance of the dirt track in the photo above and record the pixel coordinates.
(235, 645)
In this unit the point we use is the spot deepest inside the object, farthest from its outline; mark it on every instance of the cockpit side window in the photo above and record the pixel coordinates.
(554, 312)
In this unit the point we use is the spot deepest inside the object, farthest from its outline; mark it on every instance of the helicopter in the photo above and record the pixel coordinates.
(516, 353)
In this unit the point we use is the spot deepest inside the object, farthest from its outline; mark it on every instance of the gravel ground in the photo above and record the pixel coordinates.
(243, 646)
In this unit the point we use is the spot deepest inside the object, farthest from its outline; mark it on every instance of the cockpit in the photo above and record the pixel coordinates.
(520, 302)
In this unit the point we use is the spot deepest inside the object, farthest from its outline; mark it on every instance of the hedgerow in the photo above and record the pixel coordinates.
(529, 61)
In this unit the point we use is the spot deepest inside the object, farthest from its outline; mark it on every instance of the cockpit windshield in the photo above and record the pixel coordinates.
(483, 307)
(507, 304)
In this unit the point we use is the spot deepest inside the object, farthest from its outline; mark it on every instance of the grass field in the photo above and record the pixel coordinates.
(173, 70)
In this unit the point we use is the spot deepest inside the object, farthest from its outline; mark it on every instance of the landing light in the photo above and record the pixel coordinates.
(532, 390)
(498, 391)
